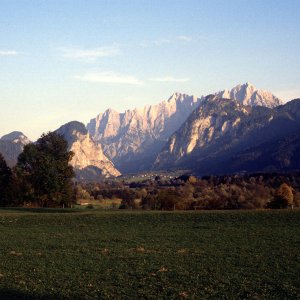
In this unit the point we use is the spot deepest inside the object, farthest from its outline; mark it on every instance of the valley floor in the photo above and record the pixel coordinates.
(49, 254)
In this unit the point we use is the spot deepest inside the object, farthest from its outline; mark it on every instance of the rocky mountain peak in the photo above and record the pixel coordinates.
(181, 98)
(248, 94)
(249, 84)
(178, 96)
(109, 112)
(72, 130)
(16, 137)
(87, 153)
(11, 146)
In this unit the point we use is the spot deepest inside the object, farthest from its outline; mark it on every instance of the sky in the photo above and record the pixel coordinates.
(70, 60)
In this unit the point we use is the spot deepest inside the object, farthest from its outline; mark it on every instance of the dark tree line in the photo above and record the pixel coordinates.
(42, 176)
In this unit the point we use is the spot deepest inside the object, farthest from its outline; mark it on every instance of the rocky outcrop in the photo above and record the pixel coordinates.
(214, 118)
(248, 94)
(88, 155)
(133, 138)
(220, 130)
(11, 146)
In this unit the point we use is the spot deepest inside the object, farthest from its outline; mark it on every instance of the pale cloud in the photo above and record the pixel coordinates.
(162, 42)
(89, 55)
(157, 43)
(8, 53)
(184, 38)
(145, 44)
(109, 77)
(169, 79)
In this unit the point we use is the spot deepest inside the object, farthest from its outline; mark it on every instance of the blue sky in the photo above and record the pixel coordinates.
(69, 60)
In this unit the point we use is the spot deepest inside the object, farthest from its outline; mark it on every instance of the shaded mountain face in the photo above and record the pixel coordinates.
(89, 161)
(133, 139)
(219, 135)
(11, 146)
(248, 94)
(271, 156)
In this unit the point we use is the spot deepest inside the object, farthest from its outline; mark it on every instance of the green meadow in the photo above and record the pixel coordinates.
(96, 254)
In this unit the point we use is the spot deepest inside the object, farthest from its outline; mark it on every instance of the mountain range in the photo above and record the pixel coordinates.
(224, 135)
(133, 139)
(228, 131)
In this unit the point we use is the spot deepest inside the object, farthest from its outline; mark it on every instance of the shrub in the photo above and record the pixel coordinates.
(283, 198)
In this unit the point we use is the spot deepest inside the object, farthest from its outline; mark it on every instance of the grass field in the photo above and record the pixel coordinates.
(104, 204)
(149, 255)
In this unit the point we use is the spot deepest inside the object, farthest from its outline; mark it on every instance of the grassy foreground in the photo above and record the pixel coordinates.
(149, 255)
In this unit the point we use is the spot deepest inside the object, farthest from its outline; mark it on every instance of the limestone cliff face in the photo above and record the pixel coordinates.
(248, 94)
(220, 130)
(214, 118)
(11, 146)
(87, 153)
(133, 138)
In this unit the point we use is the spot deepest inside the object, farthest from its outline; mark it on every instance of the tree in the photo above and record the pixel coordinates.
(5, 182)
(128, 196)
(149, 201)
(44, 171)
(283, 197)
(81, 193)
(167, 199)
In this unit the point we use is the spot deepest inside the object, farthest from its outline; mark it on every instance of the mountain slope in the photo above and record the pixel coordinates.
(279, 155)
(88, 156)
(11, 146)
(221, 129)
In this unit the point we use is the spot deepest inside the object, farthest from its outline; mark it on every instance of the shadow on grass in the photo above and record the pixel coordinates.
(18, 295)
(42, 210)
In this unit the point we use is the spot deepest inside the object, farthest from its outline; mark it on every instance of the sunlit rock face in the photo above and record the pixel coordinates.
(214, 118)
(87, 153)
(133, 138)
(224, 134)
(248, 94)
